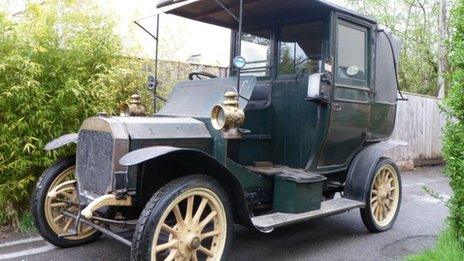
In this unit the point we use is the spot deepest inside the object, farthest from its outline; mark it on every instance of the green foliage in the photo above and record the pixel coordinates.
(454, 132)
(26, 223)
(416, 23)
(60, 63)
(447, 248)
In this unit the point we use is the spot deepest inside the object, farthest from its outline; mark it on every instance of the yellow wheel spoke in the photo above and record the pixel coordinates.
(58, 218)
(70, 196)
(206, 251)
(210, 234)
(200, 209)
(377, 212)
(389, 181)
(59, 205)
(165, 246)
(189, 211)
(64, 190)
(194, 257)
(171, 255)
(178, 215)
(388, 207)
(86, 230)
(67, 225)
(207, 220)
(169, 229)
(373, 199)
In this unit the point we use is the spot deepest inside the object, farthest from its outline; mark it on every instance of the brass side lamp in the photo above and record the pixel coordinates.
(228, 117)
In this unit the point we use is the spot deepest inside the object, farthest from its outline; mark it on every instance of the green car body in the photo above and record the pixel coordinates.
(307, 134)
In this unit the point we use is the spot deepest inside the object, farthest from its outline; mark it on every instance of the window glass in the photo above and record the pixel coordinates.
(301, 48)
(351, 95)
(256, 49)
(351, 62)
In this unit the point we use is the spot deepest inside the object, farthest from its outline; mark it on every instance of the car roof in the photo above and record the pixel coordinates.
(254, 11)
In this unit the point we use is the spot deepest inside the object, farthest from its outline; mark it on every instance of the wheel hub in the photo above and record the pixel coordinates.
(195, 243)
(382, 193)
(189, 241)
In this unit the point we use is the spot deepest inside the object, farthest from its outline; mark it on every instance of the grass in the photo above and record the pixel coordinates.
(447, 248)
(26, 223)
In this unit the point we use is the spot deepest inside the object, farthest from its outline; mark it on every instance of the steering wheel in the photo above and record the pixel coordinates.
(200, 75)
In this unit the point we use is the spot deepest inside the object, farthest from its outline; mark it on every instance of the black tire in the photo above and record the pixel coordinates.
(366, 213)
(160, 201)
(37, 202)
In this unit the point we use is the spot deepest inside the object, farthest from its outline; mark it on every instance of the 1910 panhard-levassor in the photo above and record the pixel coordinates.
(297, 132)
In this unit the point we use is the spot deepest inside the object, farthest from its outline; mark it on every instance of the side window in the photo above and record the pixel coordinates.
(351, 61)
(352, 65)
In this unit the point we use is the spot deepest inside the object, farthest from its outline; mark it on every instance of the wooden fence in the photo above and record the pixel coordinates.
(419, 122)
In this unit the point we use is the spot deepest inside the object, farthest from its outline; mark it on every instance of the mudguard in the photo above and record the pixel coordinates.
(61, 141)
(362, 169)
(142, 155)
(210, 165)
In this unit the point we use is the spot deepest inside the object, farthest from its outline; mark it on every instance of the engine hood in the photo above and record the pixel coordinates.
(141, 128)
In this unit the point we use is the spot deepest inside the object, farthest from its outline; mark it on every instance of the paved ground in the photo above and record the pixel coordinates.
(341, 237)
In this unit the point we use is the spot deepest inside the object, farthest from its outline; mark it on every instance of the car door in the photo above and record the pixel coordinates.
(350, 105)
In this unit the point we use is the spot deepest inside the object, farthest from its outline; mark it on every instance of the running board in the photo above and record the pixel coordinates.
(330, 207)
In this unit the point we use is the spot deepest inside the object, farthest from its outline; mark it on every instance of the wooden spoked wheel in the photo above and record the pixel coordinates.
(193, 227)
(66, 199)
(385, 195)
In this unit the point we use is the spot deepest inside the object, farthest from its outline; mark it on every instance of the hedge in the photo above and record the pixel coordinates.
(60, 63)
(454, 132)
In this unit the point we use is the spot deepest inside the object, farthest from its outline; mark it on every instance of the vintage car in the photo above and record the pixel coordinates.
(297, 131)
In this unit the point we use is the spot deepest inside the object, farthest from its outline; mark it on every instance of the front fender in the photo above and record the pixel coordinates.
(204, 164)
(61, 141)
(141, 155)
(362, 169)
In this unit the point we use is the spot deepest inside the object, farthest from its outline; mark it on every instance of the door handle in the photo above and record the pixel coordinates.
(336, 107)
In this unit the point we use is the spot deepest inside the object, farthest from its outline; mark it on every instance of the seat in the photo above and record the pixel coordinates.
(261, 97)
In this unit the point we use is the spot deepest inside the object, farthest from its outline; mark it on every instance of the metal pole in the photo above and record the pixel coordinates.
(239, 44)
(156, 63)
(101, 229)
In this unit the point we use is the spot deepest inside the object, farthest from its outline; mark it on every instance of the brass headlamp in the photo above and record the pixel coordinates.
(228, 117)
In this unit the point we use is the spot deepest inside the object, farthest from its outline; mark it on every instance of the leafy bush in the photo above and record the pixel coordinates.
(59, 63)
(454, 132)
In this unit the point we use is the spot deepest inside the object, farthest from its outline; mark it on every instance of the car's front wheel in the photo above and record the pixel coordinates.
(188, 219)
(50, 212)
(384, 197)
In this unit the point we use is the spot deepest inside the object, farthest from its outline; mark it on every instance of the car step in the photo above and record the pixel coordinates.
(330, 207)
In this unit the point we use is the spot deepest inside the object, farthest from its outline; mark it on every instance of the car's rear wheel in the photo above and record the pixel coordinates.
(187, 219)
(48, 212)
(384, 198)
